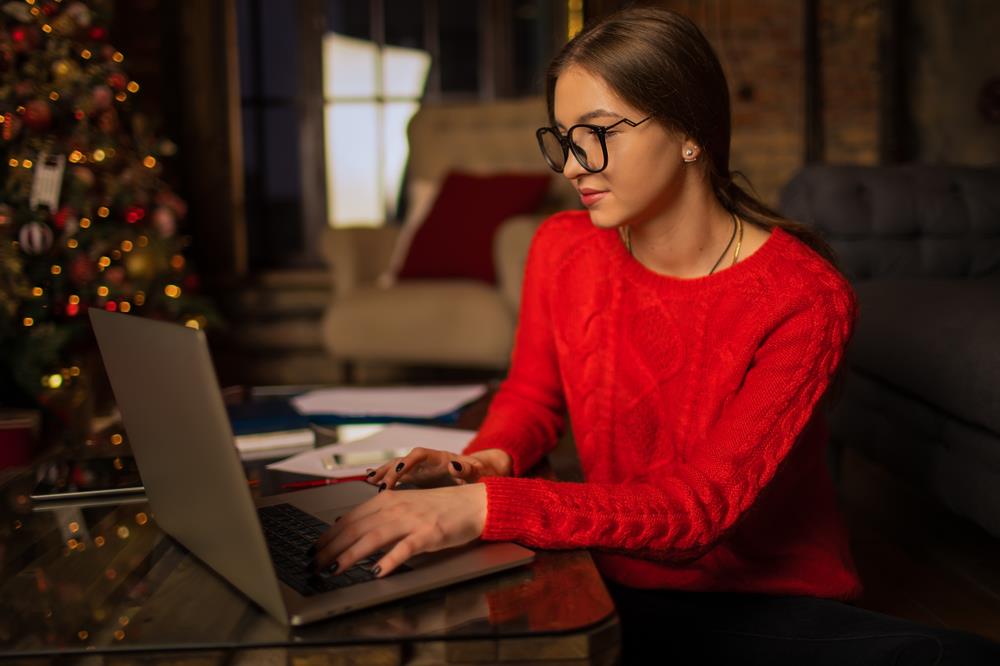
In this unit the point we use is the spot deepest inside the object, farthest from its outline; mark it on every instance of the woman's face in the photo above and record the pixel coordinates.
(644, 166)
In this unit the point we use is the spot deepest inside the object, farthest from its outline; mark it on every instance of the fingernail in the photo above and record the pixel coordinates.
(376, 570)
(457, 465)
(400, 467)
(381, 486)
(333, 567)
(371, 473)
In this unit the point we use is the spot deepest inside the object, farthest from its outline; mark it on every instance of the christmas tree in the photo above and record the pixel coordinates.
(86, 219)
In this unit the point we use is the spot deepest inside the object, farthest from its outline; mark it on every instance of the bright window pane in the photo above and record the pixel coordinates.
(349, 67)
(397, 117)
(404, 71)
(352, 164)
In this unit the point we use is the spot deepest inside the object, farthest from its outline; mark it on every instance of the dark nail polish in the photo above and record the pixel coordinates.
(400, 466)
(371, 473)
(381, 486)
(333, 567)
(376, 570)
(457, 465)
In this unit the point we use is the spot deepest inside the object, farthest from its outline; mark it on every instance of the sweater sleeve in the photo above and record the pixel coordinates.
(678, 511)
(526, 416)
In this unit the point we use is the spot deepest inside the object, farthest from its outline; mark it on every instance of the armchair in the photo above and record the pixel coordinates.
(453, 322)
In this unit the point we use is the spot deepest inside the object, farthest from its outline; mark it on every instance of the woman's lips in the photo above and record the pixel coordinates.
(591, 197)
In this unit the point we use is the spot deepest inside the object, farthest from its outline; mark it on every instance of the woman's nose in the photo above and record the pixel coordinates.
(573, 168)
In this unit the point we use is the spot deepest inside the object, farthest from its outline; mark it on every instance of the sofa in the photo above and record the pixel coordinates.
(454, 323)
(921, 247)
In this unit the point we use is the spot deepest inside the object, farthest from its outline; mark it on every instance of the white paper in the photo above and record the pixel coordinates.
(397, 401)
(396, 439)
(276, 440)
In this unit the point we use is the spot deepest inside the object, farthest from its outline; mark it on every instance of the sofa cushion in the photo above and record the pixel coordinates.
(453, 322)
(456, 238)
(935, 339)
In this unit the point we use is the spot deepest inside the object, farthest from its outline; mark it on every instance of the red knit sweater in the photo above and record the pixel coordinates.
(696, 411)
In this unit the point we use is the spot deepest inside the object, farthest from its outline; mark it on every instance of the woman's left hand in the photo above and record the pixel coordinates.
(416, 521)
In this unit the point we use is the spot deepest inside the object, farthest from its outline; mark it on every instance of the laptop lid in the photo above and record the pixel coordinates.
(165, 384)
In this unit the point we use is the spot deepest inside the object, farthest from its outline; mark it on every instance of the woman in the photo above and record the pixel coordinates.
(693, 335)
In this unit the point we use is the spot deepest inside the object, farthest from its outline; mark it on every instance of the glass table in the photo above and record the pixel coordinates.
(80, 578)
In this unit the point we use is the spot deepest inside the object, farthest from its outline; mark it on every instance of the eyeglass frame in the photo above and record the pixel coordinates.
(563, 139)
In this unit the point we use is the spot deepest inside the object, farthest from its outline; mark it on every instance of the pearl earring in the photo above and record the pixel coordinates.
(688, 156)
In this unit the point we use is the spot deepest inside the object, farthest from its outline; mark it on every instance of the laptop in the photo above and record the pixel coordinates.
(165, 385)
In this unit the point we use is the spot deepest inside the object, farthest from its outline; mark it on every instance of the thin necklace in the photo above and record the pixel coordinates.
(737, 224)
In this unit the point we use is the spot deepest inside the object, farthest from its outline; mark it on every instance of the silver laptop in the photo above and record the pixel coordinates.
(165, 385)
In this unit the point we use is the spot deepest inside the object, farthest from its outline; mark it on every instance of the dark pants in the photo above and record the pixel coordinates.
(671, 627)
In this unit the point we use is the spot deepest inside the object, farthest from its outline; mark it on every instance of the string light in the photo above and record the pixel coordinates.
(74, 527)
(13, 162)
(126, 246)
(132, 87)
(72, 243)
(116, 439)
(149, 162)
(46, 28)
(54, 96)
(53, 381)
(102, 291)
(118, 56)
(56, 269)
(99, 155)
(192, 323)
(74, 300)
(76, 156)
(116, 254)
(143, 241)
(140, 298)
(74, 371)
(121, 97)
(28, 321)
(172, 290)
(37, 291)
(103, 211)
(27, 164)
(141, 518)
(125, 306)
(85, 223)
(104, 262)
(177, 261)
(99, 541)
(82, 635)
(85, 54)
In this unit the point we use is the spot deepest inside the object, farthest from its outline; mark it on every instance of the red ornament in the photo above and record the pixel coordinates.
(25, 38)
(118, 81)
(134, 213)
(79, 114)
(97, 33)
(37, 115)
(110, 306)
(72, 309)
(62, 216)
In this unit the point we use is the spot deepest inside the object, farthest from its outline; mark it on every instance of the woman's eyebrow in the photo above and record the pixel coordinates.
(590, 115)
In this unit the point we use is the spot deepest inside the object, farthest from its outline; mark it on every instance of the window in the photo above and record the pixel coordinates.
(310, 134)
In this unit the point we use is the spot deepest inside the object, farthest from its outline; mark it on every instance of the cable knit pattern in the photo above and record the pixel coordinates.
(696, 406)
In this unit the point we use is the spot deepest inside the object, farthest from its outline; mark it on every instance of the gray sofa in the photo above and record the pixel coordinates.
(921, 246)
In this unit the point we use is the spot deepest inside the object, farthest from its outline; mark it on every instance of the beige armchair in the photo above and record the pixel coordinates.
(458, 323)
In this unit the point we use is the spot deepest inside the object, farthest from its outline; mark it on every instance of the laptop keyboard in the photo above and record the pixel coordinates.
(290, 532)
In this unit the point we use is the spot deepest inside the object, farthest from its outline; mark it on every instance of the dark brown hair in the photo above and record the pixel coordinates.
(659, 62)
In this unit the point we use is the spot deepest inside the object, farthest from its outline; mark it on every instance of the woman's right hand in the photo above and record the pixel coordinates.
(430, 468)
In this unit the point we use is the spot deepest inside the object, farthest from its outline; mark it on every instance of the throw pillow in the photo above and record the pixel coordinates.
(456, 238)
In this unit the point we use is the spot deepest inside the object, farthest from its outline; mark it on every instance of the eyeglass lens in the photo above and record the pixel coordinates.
(584, 142)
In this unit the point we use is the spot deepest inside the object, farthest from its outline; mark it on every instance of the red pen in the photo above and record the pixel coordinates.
(297, 485)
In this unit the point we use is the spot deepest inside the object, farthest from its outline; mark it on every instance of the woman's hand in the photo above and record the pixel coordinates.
(430, 468)
(416, 521)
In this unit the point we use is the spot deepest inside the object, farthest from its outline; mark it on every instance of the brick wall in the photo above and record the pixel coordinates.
(761, 47)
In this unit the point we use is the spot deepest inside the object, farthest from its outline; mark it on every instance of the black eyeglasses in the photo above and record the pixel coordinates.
(588, 143)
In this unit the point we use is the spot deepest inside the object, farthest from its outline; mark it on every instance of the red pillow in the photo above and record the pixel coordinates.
(456, 238)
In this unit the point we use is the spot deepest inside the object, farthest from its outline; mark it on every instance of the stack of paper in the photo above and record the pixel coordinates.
(392, 441)
(402, 402)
